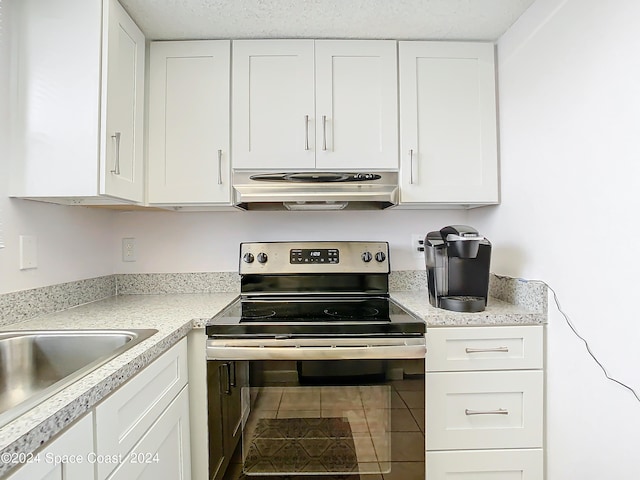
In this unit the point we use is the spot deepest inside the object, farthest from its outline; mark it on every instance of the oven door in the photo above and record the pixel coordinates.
(325, 417)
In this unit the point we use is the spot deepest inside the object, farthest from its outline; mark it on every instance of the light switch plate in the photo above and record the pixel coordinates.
(28, 252)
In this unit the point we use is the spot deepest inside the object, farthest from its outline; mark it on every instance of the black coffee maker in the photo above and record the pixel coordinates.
(457, 259)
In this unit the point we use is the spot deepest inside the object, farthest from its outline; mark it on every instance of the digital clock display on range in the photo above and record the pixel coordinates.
(314, 255)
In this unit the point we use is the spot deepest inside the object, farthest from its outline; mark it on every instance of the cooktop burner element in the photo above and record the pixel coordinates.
(314, 289)
(252, 313)
(350, 312)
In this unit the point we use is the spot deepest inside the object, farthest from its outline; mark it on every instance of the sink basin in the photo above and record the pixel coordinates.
(35, 364)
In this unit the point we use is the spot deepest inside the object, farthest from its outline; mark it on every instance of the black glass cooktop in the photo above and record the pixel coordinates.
(315, 316)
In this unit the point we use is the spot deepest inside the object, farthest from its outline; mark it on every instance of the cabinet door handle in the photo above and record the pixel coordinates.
(306, 132)
(411, 166)
(324, 132)
(487, 350)
(116, 168)
(500, 411)
(219, 167)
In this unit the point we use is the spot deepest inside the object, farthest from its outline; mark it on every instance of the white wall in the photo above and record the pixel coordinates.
(569, 76)
(73, 243)
(204, 242)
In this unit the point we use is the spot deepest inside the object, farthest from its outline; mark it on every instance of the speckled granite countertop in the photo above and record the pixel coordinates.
(174, 315)
(498, 312)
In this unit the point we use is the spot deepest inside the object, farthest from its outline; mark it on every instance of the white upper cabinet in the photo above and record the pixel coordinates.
(189, 122)
(123, 105)
(79, 102)
(356, 104)
(448, 138)
(273, 104)
(305, 104)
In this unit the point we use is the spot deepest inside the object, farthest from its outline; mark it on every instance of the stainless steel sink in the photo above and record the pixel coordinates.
(36, 364)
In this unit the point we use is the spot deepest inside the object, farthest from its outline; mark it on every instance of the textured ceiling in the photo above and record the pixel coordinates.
(394, 19)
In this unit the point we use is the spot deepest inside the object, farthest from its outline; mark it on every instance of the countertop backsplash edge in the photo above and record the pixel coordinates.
(162, 283)
(16, 307)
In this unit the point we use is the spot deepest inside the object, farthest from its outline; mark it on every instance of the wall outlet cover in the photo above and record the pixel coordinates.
(28, 252)
(129, 249)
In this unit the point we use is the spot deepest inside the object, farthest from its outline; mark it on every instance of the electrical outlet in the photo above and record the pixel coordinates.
(417, 245)
(129, 249)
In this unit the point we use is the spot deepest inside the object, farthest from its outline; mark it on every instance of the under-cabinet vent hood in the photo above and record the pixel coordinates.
(313, 190)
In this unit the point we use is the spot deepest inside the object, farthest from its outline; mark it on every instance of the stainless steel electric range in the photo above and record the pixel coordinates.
(313, 365)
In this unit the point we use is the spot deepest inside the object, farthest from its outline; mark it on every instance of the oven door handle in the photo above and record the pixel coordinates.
(315, 349)
(225, 375)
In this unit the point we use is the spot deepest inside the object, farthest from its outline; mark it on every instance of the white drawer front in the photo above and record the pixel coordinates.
(484, 348)
(486, 465)
(484, 410)
(124, 417)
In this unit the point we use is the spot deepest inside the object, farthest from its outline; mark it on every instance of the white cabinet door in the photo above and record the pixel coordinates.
(273, 104)
(448, 135)
(189, 122)
(163, 452)
(124, 417)
(123, 100)
(356, 104)
(65, 458)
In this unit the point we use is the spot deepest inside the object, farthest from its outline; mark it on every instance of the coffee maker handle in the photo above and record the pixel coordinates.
(459, 230)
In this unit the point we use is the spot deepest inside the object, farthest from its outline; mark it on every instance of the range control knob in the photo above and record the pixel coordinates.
(366, 257)
(262, 257)
(248, 257)
(380, 257)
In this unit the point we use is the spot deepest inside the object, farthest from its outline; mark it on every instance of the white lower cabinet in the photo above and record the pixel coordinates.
(66, 458)
(163, 453)
(485, 465)
(140, 431)
(128, 415)
(485, 403)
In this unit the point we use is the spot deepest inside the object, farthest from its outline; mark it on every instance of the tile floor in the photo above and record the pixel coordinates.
(387, 422)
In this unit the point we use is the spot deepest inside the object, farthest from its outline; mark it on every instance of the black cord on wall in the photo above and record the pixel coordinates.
(575, 331)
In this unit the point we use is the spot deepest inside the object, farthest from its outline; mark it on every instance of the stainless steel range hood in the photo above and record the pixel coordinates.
(314, 190)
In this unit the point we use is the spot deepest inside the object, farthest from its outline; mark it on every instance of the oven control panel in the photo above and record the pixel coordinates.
(313, 257)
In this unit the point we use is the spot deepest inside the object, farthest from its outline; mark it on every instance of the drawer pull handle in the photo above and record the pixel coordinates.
(500, 411)
(487, 350)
